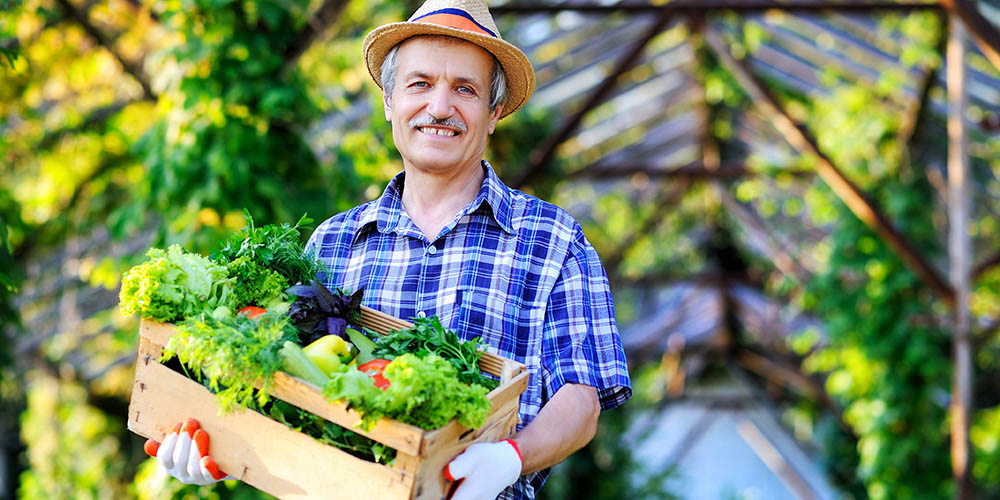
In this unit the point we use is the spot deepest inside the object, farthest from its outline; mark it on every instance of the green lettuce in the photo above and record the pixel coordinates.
(174, 284)
(423, 391)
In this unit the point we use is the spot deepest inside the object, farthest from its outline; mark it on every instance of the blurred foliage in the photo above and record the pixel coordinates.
(605, 468)
(8, 30)
(228, 135)
(188, 111)
(884, 350)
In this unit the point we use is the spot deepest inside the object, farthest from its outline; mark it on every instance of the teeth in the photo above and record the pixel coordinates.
(438, 131)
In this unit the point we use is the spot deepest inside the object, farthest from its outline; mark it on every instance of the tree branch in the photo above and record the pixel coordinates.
(853, 197)
(324, 17)
(132, 68)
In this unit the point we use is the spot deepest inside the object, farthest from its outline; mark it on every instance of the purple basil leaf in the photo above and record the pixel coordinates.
(336, 326)
(326, 300)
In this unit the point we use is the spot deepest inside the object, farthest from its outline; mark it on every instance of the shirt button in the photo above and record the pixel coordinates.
(422, 314)
(432, 250)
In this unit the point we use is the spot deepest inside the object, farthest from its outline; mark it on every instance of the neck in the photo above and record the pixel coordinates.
(433, 199)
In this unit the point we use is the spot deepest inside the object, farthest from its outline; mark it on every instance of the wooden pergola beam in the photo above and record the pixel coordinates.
(857, 201)
(543, 155)
(985, 265)
(784, 260)
(691, 7)
(959, 260)
(666, 201)
(697, 171)
(986, 36)
(791, 375)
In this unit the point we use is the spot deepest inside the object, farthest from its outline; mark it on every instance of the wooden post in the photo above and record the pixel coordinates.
(959, 258)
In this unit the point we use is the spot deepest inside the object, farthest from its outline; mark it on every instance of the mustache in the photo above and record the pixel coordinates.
(426, 121)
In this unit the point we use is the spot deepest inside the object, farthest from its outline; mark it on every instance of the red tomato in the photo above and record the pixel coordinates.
(374, 369)
(252, 312)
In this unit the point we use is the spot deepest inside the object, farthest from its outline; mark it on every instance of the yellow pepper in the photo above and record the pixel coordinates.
(328, 352)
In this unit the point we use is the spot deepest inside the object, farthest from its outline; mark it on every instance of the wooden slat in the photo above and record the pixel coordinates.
(500, 397)
(257, 450)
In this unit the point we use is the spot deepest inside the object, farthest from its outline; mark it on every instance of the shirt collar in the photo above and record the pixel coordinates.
(497, 196)
(386, 210)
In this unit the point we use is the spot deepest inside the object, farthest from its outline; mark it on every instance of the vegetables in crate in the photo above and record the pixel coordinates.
(233, 352)
(265, 261)
(422, 391)
(317, 311)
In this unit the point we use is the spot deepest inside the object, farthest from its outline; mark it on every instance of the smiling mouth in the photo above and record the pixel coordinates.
(438, 131)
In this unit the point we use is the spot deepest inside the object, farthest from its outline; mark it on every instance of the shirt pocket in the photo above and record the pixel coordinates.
(510, 327)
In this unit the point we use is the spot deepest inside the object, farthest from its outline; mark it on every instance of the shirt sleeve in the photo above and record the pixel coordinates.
(580, 341)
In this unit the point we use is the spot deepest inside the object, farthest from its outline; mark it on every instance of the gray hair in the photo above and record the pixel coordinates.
(498, 81)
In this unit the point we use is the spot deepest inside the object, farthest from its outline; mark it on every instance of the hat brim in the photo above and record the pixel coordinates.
(516, 66)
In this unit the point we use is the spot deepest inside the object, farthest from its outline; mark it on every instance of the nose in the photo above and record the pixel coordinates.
(439, 102)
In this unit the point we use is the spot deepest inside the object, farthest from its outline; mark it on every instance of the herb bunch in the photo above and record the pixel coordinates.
(317, 311)
(428, 336)
(233, 353)
(266, 260)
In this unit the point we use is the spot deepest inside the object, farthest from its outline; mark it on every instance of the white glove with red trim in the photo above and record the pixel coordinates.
(483, 470)
(184, 455)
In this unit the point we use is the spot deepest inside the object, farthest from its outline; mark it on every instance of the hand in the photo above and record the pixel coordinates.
(484, 470)
(188, 464)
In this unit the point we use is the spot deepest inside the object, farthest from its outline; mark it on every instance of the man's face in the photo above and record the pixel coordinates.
(439, 108)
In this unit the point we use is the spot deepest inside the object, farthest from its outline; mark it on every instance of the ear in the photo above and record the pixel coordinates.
(494, 118)
(386, 107)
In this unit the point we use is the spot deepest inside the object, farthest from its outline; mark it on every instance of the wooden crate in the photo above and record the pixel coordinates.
(288, 464)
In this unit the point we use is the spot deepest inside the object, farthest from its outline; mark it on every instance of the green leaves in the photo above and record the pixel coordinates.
(428, 336)
(423, 391)
(174, 284)
(266, 260)
(233, 353)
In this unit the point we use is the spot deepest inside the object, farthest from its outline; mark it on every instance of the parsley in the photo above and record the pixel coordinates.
(256, 255)
(428, 336)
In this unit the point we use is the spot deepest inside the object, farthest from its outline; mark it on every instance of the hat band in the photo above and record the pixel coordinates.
(454, 18)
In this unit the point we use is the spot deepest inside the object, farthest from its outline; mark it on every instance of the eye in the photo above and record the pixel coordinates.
(419, 84)
(465, 89)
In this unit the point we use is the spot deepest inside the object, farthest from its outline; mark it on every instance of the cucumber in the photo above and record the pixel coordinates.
(296, 363)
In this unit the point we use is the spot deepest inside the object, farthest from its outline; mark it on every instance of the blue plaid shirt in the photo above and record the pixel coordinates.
(509, 268)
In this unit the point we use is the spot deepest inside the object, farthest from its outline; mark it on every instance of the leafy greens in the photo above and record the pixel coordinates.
(174, 284)
(233, 352)
(423, 391)
(428, 336)
(266, 260)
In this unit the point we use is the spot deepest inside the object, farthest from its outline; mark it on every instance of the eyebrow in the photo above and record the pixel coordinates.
(427, 76)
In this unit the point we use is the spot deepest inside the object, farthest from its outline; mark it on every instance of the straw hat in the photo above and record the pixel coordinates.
(469, 20)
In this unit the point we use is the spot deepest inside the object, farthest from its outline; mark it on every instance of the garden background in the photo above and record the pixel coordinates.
(796, 203)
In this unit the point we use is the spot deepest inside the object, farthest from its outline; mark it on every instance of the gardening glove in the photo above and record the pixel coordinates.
(184, 455)
(483, 470)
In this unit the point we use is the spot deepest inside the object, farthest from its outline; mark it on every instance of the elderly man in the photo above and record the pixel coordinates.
(448, 238)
